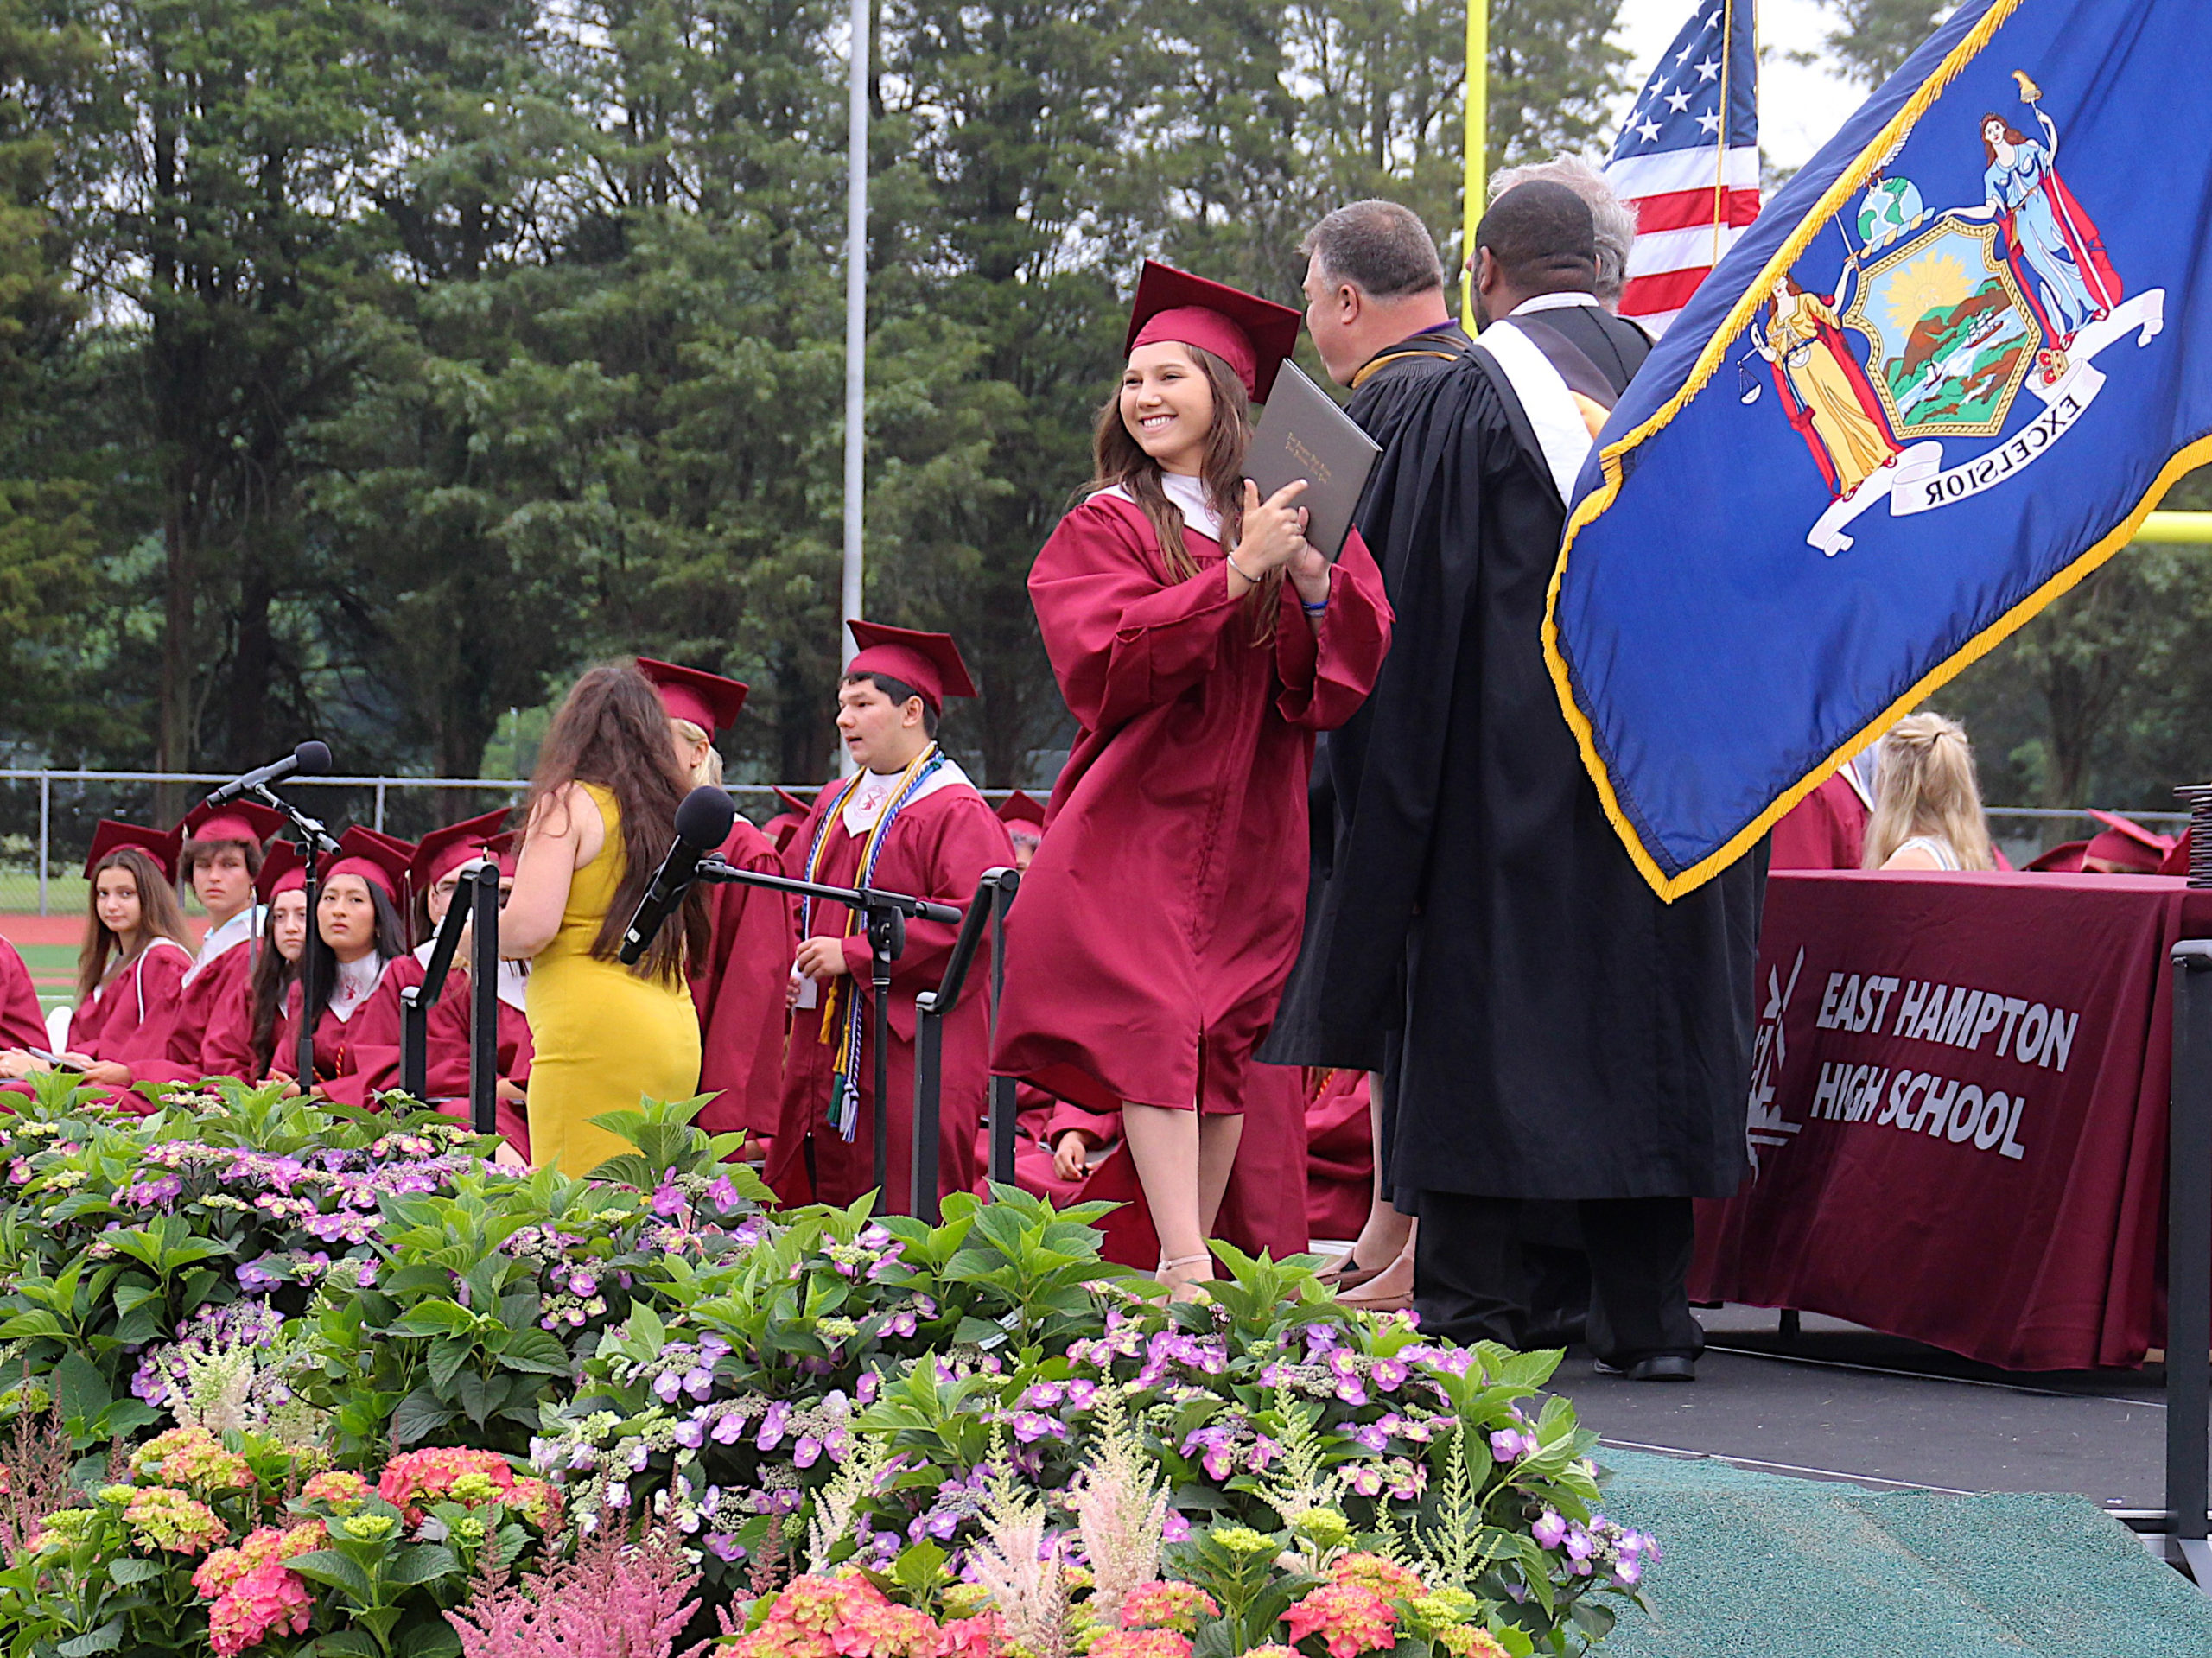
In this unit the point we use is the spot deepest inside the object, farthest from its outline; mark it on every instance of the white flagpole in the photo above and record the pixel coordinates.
(855, 328)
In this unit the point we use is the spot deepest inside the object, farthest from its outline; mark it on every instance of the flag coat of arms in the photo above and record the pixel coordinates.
(1946, 374)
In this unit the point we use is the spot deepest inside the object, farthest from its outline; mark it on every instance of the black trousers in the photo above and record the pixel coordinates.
(1472, 1282)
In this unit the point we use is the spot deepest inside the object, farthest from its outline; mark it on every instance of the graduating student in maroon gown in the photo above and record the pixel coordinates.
(222, 859)
(788, 821)
(21, 1025)
(435, 873)
(1023, 814)
(906, 821)
(241, 1038)
(124, 1011)
(131, 965)
(362, 965)
(1200, 642)
(741, 985)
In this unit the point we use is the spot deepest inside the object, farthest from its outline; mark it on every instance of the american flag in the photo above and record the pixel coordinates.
(1687, 162)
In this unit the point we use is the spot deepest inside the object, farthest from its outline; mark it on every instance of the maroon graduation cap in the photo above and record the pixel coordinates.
(1251, 334)
(444, 850)
(929, 662)
(2064, 859)
(240, 820)
(1020, 807)
(376, 859)
(707, 700)
(282, 871)
(113, 837)
(2134, 848)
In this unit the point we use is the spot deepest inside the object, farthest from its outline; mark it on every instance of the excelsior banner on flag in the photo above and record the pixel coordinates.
(1687, 161)
(1947, 374)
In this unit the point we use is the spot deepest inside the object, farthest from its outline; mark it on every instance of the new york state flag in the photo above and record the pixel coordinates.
(1945, 375)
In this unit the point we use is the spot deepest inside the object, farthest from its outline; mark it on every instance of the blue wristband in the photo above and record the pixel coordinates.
(1314, 610)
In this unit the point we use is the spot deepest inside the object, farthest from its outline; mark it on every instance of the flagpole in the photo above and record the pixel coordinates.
(856, 330)
(1477, 143)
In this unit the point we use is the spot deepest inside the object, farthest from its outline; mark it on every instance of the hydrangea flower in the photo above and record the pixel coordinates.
(162, 1517)
(1164, 1605)
(1349, 1618)
(267, 1600)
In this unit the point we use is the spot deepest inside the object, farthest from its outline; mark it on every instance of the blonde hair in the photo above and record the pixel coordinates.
(709, 769)
(1924, 784)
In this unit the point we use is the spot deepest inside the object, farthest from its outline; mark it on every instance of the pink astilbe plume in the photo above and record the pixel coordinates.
(613, 1598)
(1120, 1508)
(1017, 1566)
(34, 1479)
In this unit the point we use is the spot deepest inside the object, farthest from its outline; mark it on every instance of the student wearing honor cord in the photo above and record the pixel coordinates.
(906, 821)
(1200, 642)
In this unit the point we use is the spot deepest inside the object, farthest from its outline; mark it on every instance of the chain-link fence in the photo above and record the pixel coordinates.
(47, 818)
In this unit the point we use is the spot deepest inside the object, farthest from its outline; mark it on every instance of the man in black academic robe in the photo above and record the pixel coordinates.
(1375, 307)
(1567, 1036)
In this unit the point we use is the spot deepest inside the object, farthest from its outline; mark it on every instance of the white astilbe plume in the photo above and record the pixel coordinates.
(1021, 1573)
(1121, 1510)
(841, 1499)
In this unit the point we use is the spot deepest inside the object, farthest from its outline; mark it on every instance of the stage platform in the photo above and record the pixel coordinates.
(1844, 1492)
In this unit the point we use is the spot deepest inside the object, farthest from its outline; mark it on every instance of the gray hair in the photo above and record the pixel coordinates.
(1614, 223)
(1379, 247)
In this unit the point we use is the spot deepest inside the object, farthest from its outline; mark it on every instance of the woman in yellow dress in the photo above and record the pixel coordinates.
(602, 814)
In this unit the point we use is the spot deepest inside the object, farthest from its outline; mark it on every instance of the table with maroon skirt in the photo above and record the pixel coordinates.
(1958, 1111)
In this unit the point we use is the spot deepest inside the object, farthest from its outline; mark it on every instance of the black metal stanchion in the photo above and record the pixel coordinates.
(931, 1008)
(1002, 1102)
(887, 915)
(416, 1001)
(484, 1000)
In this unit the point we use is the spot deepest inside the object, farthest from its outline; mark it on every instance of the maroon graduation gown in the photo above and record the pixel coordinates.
(211, 994)
(1825, 831)
(740, 995)
(1339, 1156)
(1155, 927)
(450, 1030)
(21, 1025)
(128, 1019)
(939, 848)
(354, 1057)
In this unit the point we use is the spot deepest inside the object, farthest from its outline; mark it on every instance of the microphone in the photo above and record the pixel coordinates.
(309, 759)
(703, 823)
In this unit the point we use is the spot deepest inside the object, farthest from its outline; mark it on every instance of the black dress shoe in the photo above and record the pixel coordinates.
(1658, 1367)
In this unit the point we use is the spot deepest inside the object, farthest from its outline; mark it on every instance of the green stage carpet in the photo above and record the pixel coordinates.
(1758, 1566)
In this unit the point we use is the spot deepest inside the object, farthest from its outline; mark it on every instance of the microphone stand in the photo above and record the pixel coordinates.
(476, 907)
(887, 914)
(315, 841)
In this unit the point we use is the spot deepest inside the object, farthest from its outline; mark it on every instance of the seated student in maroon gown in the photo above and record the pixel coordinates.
(359, 944)
(741, 988)
(241, 1037)
(131, 966)
(21, 1025)
(222, 859)
(906, 821)
(441, 860)
(1200, 642)
(1023, 814)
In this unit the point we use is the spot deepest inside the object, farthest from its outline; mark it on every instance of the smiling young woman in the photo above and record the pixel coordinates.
(1200, 642)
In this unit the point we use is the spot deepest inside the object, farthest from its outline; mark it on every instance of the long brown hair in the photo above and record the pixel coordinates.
(1924, 784)
(270, 987)
(160, 916)
(1118, 457)
(613, 731)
